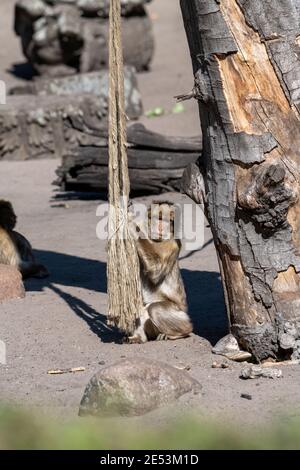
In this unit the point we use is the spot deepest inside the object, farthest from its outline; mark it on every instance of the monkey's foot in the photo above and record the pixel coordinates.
(165, 337)
(136, 339)
(229, 347)
(162, 337)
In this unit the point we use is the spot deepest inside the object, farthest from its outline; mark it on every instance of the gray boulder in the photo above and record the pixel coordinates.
(133, 387)
(61, 38)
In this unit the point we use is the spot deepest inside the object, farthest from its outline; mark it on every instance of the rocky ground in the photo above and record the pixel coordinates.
(61, 322)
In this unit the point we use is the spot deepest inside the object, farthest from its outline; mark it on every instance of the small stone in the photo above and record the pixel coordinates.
(254, 372)
(224, 365)
(11, 283)
(181, 366)
(220, 365)
(226, 344)
(229, 347)
(247, 396)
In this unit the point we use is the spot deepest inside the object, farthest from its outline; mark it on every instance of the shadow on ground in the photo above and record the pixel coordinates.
(204, 293)
(206, 304)
(78, 193)
(23, 70)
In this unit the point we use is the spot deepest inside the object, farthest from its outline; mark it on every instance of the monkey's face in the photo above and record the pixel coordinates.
(161, 221)
(8, 218)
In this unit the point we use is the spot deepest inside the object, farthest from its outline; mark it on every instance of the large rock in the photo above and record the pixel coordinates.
(96, 83)
(47, 127)
(134, 387)
(60, 114)
(11, 284)
(64, 37)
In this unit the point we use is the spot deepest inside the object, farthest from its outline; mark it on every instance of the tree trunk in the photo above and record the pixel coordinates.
(246, 61)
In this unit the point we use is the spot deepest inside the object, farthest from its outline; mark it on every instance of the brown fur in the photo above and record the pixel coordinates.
(15, 250)
(165, 311)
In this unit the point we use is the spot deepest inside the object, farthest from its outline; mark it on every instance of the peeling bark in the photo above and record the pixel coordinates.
(246, 63)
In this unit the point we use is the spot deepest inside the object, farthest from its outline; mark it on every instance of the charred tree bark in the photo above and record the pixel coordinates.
(246, 62)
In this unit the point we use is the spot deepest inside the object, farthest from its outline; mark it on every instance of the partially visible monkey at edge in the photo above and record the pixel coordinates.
(15, 250)
(165, 307)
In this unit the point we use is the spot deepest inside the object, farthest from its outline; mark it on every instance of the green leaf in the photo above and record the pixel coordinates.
(178, 108)
(155, 112)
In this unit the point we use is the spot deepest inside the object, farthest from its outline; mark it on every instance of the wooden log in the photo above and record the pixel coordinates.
(139, 135)
(138, 157)
(154, 168)
(247, 80)
(94, 179)
(101, 7)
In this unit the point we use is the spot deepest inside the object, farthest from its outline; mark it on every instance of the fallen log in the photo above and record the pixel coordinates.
(156, 164)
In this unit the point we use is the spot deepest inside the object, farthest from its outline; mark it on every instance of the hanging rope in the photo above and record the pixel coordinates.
(124, 290)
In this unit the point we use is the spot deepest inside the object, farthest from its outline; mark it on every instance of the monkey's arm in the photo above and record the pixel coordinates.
(157, 259)
(23, 246)
(27, 263)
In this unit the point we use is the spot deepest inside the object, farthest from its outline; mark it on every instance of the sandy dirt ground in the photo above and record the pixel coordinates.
(61, 322)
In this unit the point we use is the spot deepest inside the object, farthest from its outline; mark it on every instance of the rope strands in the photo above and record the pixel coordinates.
(123, 272)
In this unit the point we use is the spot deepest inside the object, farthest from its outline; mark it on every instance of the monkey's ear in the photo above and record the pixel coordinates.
(8, 217)
(6, 205)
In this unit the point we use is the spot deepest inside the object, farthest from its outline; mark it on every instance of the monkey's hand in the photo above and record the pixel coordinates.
(136, 339)
(136, 229)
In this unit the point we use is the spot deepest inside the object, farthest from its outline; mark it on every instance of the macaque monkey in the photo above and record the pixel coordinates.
(15, 250)
(165, 308)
